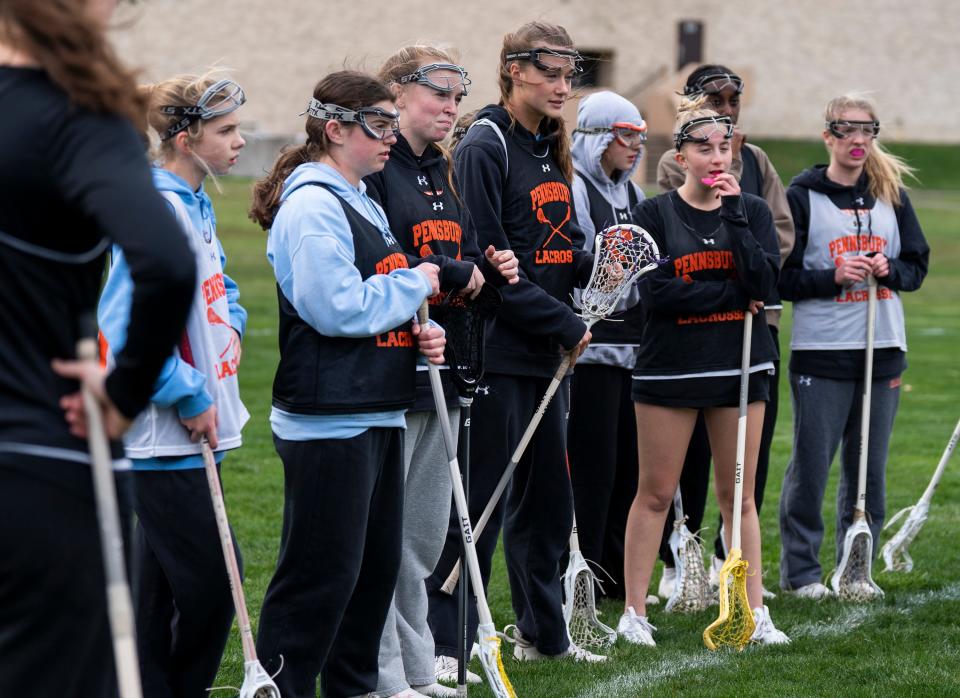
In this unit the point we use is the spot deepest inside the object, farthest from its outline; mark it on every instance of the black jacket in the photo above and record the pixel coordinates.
(526, 207)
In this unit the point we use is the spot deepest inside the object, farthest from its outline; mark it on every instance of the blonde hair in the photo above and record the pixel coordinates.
(178, 91)
(534, 35)
(692, 108)
(885, 171)
(405, 62)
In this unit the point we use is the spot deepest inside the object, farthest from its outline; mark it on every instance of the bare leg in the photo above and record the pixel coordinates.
(722, 428)
(662, 436)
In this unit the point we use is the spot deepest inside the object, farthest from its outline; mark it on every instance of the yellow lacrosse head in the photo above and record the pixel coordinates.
(492, 662)
(735, 625)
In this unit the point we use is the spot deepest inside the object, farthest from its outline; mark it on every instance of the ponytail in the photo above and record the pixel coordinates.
(267, 191)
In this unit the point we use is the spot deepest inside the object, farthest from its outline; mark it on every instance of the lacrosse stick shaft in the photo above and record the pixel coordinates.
(741, 429)
(861, 506)
(119, 605)
(451, 581)
(941, 466)
(677, 505)
(459, 498)
(229, 554)
(463, 641)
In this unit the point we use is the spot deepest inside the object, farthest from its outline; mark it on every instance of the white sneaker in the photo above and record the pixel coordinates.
(410, 693)
(768, 595)
(435, 690)
(766, 633)
(636, 629)
(524, 650)
(667, 580)
(447, 671)
(715, 564)
(653, 599)
(815, 592)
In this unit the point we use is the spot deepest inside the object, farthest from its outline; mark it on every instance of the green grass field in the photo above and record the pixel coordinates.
(907, 644)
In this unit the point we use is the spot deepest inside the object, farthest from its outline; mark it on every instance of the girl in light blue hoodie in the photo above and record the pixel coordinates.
(182, 597)
(346, 376)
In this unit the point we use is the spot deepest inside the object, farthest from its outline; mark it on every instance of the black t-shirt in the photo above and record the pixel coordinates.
(71, 182)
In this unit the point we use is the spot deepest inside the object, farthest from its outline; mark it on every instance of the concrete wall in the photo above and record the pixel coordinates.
(795, 54)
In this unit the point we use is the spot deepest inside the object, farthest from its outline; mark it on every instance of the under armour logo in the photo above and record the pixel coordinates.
(709, 241)
(422, 181)
(437, 205)
(623, 216)
(805, 380)
(545, 167)
(483, 389)
(858, 201)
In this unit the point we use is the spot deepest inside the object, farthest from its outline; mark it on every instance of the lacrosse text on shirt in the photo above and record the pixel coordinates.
(553, 250)
(441, 230)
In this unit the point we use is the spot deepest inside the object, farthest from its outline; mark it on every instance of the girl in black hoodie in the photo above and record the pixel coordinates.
(853, 219)
(514, 170)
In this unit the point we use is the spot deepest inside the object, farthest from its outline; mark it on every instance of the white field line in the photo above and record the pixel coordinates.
(847, 619)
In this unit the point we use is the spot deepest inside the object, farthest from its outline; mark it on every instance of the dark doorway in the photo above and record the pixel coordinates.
(689, 42)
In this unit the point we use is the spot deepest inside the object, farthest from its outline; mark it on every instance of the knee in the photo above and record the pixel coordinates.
(748, 505)
(656, 500)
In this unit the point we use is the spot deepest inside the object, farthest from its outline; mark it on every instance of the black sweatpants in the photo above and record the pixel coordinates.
(54, 630)
(182, 593)
(339, 556)
(695, 478)
(536, 512)
(603, 464)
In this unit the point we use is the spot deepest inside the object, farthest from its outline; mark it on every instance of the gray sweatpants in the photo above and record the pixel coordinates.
(826, 414)
(406, 647)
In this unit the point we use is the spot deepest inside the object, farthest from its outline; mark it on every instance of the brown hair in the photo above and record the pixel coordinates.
(535, 35)
(885, 171)
(346, 88)
(71, 47)
(406, 61)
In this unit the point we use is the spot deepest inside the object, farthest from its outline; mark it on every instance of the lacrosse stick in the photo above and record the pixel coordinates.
(852, 580)
(584, 627)
(119, 605)
(735, 625)
(488, 639)
(624, 253)
(895, 551)
(691, 588)
(465, 322)
(257, 683)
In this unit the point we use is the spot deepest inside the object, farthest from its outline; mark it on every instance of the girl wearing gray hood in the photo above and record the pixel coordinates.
(602, 432)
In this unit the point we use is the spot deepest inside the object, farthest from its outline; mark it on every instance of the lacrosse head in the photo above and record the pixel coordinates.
(852, 580)
(257, 682)
(691, 589)
(735, 625)
(895, 553)
(465, 322)
(622, 254)
(492, 662)
(579, 609)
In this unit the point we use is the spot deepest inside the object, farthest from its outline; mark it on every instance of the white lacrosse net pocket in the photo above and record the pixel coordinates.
(580, 610)
(895, 553)
(691, 590)
(622, 254)
(853, 580)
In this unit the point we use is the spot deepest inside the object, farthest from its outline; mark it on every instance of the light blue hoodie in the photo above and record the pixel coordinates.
(311, 249)
(180, 385)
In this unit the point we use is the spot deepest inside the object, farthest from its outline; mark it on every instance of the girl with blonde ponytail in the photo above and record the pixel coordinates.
(182, 598)
(415, 189)
(853, 220)
(514, 170)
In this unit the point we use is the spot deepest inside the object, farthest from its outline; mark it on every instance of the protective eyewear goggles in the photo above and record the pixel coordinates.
(445, 77)
(713, 83)
(376, 122)
(843, 129)
(700, 130)
(549, 60)
(626, 134)
(222, 97)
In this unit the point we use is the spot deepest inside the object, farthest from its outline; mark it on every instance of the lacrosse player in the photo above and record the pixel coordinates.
(853, 219)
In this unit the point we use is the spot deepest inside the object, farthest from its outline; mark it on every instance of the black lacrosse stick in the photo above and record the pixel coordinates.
(465, 321)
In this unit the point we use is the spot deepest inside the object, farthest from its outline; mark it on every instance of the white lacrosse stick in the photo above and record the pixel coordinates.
(119, 605)
(691, 590)
(487, 639)
(584, 627)
(623, 254)
(257, 683)
(895, 553)
(853, 580)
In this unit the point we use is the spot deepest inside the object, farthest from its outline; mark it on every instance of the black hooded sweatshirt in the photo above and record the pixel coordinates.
(796, 283)
(527, 207)
(426, 218)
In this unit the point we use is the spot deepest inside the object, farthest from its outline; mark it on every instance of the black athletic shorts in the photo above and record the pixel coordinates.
(713, 391)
